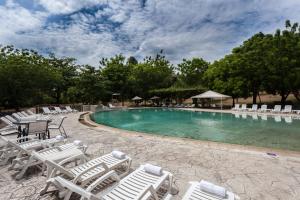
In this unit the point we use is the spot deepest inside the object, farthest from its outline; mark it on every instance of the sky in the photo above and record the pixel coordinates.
(91, 29)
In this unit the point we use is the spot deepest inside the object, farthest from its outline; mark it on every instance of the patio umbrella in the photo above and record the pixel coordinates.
(154, 98)
(136, 98)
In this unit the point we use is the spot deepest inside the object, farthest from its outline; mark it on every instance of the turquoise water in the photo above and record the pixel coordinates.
(266, 131)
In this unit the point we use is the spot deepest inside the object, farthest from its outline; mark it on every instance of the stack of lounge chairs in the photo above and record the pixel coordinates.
(104, 177)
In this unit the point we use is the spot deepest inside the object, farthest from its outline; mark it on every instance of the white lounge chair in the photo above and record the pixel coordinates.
(55, 154)
(10, 128)
(111, 106)
(90, 170)
(197, 192)
(236, 107)
(138, 185)
(30, 112)
(13, 148)
(287, 109)
(58, 126)
(68, 108)
(244, 107)
(58, 110)
(254, 108)
(277, 109)
(47, 111)
(263, 108)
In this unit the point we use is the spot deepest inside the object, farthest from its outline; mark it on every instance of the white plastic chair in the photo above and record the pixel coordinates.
(137, 185)
(68, 108)
(90, 170)
(47, 111)
(244, 107)
(287, 109)
(58, 126)
(236, 107)
(277, 109)
(196, 193)
(55, 154)
(254, 108)
(263, 108)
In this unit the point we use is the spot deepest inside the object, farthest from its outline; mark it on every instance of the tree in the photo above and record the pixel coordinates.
(191, 71)
(152, 73)
(67, 71)
(224, 76)
(284, 62)
(115, 73)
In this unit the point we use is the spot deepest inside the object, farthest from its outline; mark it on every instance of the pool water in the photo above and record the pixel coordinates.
(257, 130)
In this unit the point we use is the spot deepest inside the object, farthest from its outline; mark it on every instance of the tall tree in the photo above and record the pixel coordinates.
(191, 71)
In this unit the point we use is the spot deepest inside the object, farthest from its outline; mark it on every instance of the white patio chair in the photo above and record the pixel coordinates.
(68, 108)
(10, 127)
(287, 109)
(199, 191)
(90, 170)
(263, 108)
(13, 148)
(277, 109)
(17, 116)
(30, 112)
(47, 111)
(140, 184)
(236, 107)
(254, 108)
(58, 110)
(55, 154)
(25, 114)
(58, 126)
(21, 114)
(244, 107)
(10, 119)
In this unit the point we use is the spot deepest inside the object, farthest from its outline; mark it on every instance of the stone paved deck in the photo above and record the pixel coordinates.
(249, 172)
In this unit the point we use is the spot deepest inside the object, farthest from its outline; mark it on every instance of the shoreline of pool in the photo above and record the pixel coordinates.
(87, 121)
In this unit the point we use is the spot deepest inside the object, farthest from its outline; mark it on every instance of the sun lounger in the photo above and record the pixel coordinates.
(13, 148)
(287, 109)
(55, 154)
(90, 170)
(199, 191)
(236, 107)
(244, 107)
(137, 185)
(277, 109)
(253, 109)
(58, 110)
(263, 108)
(68, 108)
(47, 111)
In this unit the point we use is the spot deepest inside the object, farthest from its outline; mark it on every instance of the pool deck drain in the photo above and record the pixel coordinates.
(248, 171)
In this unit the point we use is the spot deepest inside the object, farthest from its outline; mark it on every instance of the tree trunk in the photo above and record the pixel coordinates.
(259, 98)
(233, 102)
(254, 97)
(297, 95)
(283, 97)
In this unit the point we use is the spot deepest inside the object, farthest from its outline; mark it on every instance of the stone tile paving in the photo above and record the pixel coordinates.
(251, 174)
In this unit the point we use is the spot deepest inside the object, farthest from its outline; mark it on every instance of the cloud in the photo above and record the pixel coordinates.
(91, 29)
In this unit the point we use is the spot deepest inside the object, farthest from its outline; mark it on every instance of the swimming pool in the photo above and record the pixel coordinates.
(244, 129)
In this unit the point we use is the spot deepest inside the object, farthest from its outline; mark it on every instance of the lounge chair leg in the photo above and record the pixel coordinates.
(24, 169)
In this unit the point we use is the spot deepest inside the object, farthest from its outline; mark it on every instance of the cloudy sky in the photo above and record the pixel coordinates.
(90, 29)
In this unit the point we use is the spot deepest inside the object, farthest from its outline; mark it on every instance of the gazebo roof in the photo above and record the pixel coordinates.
(136, 98)
(210, 94)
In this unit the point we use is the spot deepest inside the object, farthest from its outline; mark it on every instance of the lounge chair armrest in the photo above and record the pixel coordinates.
(89, 169)
(103, 178)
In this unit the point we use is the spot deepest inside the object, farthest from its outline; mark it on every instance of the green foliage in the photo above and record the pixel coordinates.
(191, 71)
